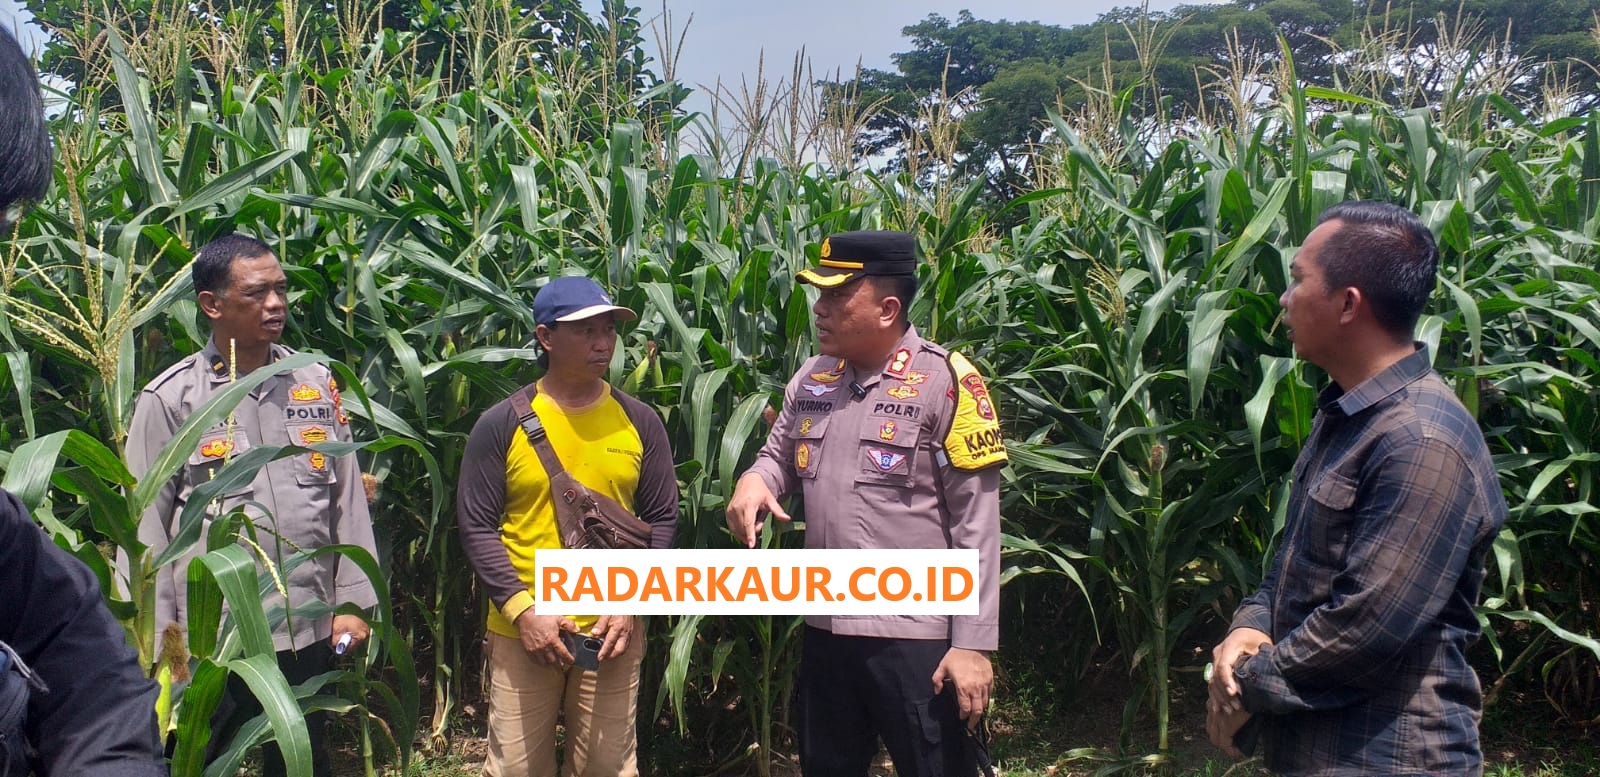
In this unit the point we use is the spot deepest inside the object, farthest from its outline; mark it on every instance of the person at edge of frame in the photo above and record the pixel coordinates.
(1351, 656)
(73, 699)
(893, 442)
(614, 445)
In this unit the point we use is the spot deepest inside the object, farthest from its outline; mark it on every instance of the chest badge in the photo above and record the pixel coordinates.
(914, 378)
(885, 460)
(216, 449)
(818, 390)
(830, 376)
(902, 392)
(319, 461)
(805, 425)
(312, 435)
(802, 456)
(305, 393)
(887, 431)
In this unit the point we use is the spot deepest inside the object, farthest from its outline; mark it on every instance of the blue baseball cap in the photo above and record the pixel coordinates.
(574, 298)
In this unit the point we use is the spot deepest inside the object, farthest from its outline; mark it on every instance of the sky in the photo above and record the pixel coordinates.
(725, 38)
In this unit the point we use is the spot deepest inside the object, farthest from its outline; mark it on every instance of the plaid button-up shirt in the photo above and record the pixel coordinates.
(1370, 598)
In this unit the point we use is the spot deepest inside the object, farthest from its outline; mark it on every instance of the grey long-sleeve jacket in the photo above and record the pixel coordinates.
(912, 462)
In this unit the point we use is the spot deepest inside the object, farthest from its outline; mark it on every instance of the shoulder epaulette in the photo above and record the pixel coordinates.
(169, 373)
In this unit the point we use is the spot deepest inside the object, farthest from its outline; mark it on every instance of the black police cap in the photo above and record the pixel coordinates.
(847, 256)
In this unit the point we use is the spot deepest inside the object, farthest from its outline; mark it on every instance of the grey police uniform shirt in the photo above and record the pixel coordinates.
(876, 472)
(312, 499)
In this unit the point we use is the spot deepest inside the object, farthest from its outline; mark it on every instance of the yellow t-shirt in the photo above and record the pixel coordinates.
(599, 446)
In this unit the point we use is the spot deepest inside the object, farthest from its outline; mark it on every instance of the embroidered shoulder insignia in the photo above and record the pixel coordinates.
(338, 402)
(974, 440)
(900, 362)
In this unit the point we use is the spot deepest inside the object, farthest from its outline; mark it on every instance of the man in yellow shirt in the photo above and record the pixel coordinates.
(614, 445)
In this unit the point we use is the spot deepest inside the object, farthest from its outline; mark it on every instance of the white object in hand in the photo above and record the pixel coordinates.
(342, 645)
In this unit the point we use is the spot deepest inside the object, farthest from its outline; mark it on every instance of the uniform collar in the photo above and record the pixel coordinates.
(1378, 387)
(216, 362)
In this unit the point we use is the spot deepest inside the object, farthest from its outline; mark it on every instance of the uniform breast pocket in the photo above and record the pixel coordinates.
(806, 437)
(206, 464)
(887, 452)
(1333, 502)
(314, 468)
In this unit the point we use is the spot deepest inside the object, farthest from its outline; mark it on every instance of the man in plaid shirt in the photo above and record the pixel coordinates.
(1350, 659)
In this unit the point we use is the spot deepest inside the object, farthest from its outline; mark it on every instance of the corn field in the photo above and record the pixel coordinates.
(1125, 311)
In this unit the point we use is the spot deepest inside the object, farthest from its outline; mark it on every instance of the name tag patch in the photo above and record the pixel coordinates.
(908, 412)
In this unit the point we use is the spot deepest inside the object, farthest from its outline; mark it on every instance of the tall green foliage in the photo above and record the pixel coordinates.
(1127, 315)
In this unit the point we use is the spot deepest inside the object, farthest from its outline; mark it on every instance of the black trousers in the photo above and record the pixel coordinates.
(854, 690)
(239, 705)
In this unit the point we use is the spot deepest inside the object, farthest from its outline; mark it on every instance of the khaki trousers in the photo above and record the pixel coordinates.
(526, 698)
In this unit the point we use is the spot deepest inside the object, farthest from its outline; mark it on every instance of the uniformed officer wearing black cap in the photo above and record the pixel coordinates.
(893, 442)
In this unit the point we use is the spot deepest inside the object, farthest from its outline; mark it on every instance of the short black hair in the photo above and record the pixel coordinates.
(25, 155)
(901, 287)
(213, 266)
(1388, 253)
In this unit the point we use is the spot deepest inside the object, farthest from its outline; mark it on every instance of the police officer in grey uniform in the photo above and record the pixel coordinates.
(893, 442)
(312, 499)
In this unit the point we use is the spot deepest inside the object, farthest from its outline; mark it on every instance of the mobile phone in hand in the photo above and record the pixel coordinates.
(585, 650)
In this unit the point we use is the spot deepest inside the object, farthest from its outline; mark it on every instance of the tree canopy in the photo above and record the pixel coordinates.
(996, 80)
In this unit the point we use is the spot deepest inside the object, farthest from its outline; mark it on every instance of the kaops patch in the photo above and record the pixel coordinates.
(974, 440)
